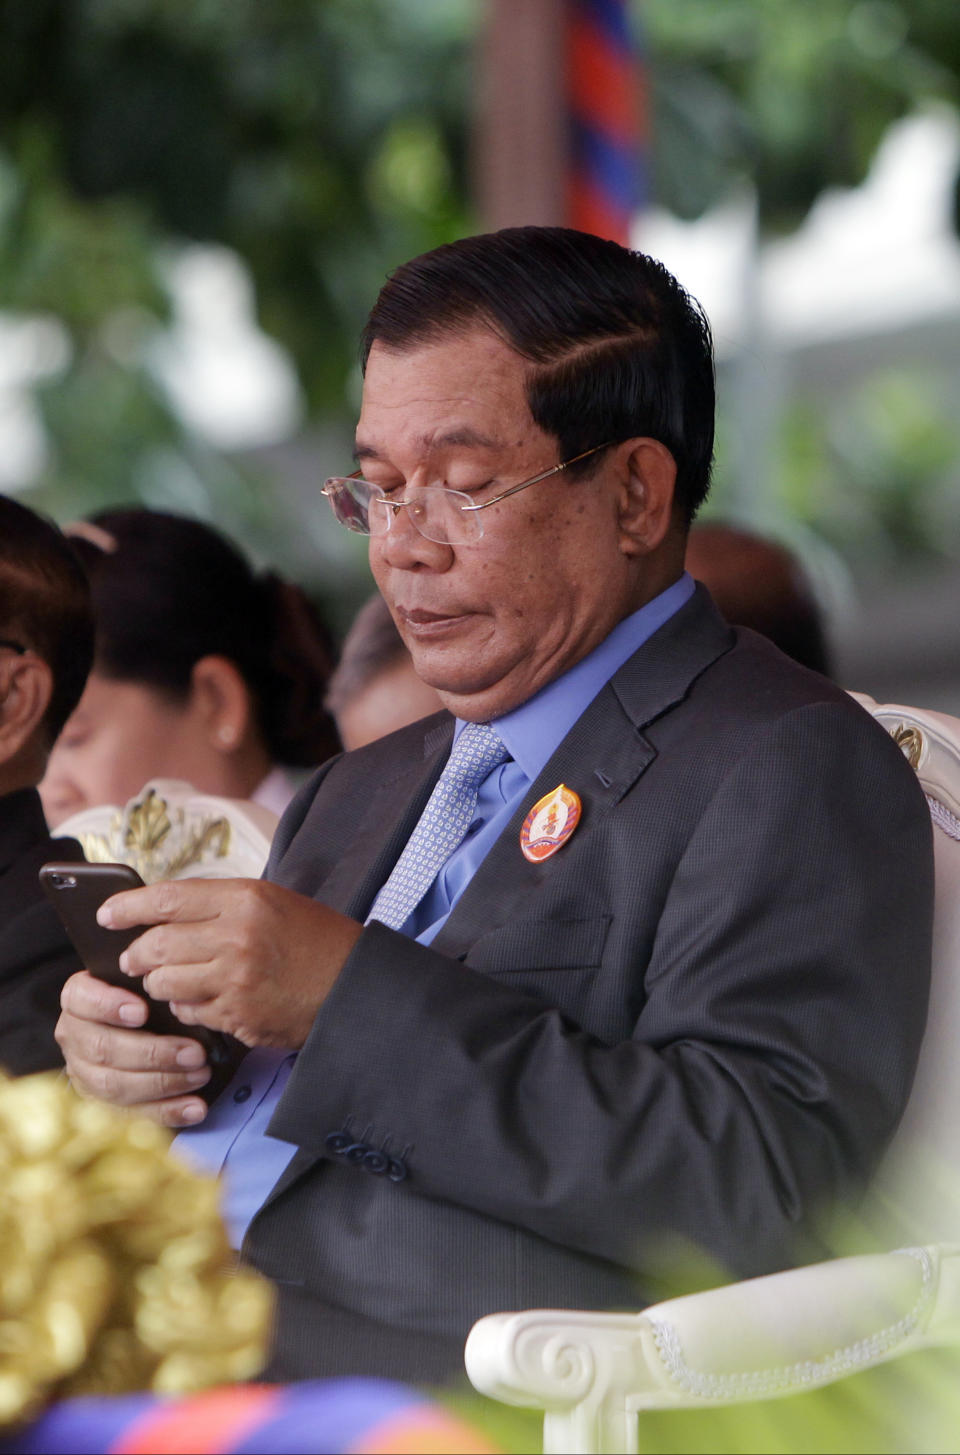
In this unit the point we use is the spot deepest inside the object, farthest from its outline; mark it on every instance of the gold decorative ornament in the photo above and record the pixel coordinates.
(910, 742)
(158, 842)
(115, 1269)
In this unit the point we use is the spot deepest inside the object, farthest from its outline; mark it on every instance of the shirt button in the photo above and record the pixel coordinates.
(243, 1093)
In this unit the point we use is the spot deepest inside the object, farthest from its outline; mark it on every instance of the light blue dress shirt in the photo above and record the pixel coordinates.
(233, 1140)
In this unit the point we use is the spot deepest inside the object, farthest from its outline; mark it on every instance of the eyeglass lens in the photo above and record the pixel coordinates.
(437, 513)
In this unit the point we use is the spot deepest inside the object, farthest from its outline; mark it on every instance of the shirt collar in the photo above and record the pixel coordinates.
(535, 729)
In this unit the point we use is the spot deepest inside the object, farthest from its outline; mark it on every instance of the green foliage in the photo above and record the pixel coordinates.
(874, 469)
(794, 96)
(279, 130)
(323, 140)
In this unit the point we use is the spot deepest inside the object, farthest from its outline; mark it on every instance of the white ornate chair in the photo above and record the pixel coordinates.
(920, 1176)
(594, 1373)
(170, 831)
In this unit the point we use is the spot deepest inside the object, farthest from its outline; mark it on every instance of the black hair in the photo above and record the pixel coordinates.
(45, 604)
(618, 349)
(172, 590)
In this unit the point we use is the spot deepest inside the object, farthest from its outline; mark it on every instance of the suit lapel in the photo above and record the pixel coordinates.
(660, 675)
(394, 806)
(601, 758)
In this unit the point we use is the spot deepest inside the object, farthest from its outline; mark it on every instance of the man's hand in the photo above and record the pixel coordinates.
(128, 1067)
(236, 955)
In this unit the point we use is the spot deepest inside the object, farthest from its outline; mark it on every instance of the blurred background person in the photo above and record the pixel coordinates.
(46, 646)
(203, 671)
(759, 583)
(374, 689)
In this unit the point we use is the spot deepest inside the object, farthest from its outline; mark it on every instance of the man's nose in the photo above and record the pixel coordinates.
(404, 547)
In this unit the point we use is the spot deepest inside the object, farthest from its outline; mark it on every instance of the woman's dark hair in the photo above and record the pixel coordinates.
(172, 590)
(45, 604)
(617, 347)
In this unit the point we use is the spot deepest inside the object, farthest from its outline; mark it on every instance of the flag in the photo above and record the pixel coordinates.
(607, 152)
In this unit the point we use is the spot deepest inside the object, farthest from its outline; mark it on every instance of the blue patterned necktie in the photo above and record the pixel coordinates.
(442, 825)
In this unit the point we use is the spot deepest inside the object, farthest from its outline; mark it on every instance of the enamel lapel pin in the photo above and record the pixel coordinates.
(549, 824)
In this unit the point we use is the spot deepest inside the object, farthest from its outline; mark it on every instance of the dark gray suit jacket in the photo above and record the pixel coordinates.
(36, 956)
(697, 1021)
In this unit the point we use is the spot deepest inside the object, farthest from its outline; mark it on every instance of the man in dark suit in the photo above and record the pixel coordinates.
(640, 960)
(46, 646)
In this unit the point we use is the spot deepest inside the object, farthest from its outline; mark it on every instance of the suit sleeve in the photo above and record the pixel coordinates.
(780, 1016)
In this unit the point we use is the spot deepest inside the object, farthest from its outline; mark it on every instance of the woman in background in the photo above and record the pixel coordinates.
(203, 671)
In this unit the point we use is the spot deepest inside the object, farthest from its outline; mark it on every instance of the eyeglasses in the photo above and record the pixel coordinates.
(446, 516)
(14, 646)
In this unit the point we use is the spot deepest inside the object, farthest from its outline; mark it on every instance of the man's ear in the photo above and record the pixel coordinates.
(221, 698)
(648, 477)
(26, 686)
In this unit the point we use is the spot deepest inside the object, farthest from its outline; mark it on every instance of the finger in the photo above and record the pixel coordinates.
(91, 1044)
(130, 1068)
(193, 985)
(88, 998)
(183, 900)
(180, 1111)
(123, 1090)
(173, 944)
(134, 1088)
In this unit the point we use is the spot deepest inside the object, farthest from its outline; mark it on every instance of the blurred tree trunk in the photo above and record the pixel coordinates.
(519, 162)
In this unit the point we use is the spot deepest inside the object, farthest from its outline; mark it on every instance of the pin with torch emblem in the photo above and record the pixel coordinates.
(550, 823)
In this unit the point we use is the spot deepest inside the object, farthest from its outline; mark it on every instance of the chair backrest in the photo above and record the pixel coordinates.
(170, 831)
(920, 1175)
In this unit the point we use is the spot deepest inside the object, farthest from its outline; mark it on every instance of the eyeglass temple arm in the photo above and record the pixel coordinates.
(544, 474)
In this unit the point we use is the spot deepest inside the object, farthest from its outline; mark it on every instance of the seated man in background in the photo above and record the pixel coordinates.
(627, 949)
(758, 583)
(374, 688)
(46, 647)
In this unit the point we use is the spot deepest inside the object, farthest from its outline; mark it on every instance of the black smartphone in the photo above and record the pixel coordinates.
(76, 891)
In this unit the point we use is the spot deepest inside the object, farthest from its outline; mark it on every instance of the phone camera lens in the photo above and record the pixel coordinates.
(63, 881)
